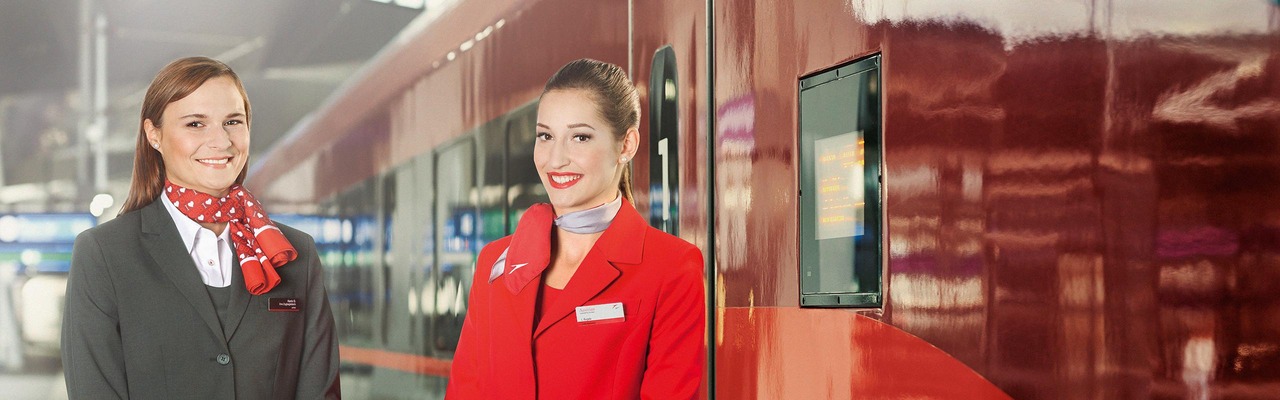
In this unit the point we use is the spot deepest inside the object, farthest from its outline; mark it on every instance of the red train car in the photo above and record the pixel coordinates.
(1058, 200)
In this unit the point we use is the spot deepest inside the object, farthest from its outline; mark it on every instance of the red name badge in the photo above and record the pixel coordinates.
(286, 304)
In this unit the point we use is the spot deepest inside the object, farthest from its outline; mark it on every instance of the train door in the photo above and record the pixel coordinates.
(665, 160)
(668, 61)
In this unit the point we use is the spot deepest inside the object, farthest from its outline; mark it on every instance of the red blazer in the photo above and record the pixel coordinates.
(657, 352)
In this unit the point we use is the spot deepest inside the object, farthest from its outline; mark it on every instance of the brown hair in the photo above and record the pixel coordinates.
(174, 82)
(612, 91)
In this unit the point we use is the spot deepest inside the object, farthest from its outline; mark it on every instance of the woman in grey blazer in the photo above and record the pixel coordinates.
(192, 292)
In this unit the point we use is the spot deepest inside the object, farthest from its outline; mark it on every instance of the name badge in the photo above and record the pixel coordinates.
(599, 313)
(286, 304)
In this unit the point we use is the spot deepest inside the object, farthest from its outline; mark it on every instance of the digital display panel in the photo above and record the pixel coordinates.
(838, 172)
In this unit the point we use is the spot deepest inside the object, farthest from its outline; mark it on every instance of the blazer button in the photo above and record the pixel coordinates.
(224, 359)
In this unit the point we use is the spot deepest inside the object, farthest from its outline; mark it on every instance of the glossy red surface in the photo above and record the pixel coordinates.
(793, 353)
(1079, 196)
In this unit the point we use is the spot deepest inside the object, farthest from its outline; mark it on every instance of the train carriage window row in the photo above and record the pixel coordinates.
(840, 174)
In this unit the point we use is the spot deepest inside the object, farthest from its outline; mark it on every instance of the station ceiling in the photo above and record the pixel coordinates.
(291, 54)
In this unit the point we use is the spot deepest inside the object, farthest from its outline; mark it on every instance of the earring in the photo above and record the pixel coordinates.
(155, 146)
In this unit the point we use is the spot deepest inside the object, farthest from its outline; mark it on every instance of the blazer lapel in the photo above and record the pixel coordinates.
(521, 304)
(239, 299)
(592, 277)
(621, 243)
(516, 347)
(162, 241)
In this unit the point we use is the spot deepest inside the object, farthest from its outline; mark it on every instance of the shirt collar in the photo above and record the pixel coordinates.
(188, 228)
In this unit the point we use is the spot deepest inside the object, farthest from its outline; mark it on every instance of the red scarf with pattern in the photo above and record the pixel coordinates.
(261, 246)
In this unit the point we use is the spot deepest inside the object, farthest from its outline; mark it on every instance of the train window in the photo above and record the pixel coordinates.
(406, 223)
(840, 170)
(491, 148)
(524, 187)
(382, 276)
(350, 231)
(456, 223)
(664, 160)
(423, 247)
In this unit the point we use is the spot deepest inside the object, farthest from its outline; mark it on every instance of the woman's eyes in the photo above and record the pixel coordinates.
(580, 137)
(200, 124)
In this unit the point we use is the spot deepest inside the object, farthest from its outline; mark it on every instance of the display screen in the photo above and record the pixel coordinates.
(839, 194)
(840, 199)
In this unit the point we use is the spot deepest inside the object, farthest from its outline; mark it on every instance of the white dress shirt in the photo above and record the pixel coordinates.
(211, 253)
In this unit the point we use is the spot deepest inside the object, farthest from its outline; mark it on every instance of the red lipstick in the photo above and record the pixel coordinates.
(561, 180)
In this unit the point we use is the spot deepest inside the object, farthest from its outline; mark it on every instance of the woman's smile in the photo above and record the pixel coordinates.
(562, 180)
(218, 162)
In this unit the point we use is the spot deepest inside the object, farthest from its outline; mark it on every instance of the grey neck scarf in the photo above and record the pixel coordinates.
(591, 220)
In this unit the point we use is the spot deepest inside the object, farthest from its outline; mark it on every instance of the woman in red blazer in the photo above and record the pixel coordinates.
(584, 301)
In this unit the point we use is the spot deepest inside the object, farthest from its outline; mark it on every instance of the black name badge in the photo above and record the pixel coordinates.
(287, 304)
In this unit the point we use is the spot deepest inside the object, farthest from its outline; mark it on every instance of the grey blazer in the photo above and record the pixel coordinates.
(139, 323)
